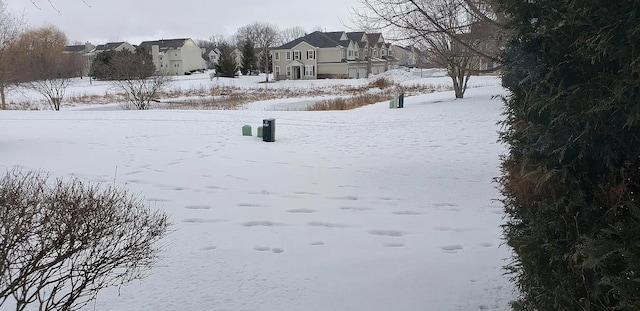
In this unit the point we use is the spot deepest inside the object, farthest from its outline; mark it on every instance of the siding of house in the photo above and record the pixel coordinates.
(330, 55)
(333, 71)
(177, 59)
(303, 48)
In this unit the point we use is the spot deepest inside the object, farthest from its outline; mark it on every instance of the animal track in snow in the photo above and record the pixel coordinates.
(318, 243)
(262, 192)
(197, 207)
(393, 245)
(275, 250)
(454, 248)
(305, 193)
(326, 224)
(389, 233)
(346, 197)
(444, 204)
(486, 244)
(158, 200)
(301, 211)
(251, 205)
(202, 220)
(261, 224)
(409, 213)
(355, 208)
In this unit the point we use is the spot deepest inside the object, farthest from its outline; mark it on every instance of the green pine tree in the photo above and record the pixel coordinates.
(227, 66)
(248, 58)
(571, 178)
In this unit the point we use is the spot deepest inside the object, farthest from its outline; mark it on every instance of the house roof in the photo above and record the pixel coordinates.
(317, 39)
(373, 38)
(164, 45)
(355, 36)
(74, 48)
(108, 46)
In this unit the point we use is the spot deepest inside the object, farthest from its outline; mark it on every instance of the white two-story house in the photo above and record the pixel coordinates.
(175, 56)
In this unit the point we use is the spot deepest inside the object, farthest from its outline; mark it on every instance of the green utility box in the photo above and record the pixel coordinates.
(246, 130)
(259, 131)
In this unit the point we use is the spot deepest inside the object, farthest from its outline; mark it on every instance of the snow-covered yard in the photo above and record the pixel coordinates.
(368, 209)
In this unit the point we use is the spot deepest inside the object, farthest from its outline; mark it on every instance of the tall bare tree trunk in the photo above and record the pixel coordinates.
(3, 96)
(265, 54)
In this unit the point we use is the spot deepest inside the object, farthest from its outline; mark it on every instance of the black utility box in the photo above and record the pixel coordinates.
(269, 130)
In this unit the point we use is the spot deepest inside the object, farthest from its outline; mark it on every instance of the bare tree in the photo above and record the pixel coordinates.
(264, 36)
(456, 34)
(63, 242)
(42, 64)
(136, 76)
(10, 29)
(291, 33)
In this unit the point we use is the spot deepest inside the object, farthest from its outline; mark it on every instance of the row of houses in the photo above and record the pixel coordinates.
(317, 55)
(339, 54)
(174, 56)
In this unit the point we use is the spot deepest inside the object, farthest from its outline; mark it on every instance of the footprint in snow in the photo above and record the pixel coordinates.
(389, 233)
(393, 245)
(301, 211)
(197, 207)
(407, 213)
(454, 248)
(251, 205)
(326, 225)
(261, 224)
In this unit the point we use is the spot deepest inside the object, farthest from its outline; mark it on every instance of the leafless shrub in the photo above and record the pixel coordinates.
(142, 91)
(381, 83)
(64, 241)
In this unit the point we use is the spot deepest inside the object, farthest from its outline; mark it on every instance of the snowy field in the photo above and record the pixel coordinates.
(369, 209)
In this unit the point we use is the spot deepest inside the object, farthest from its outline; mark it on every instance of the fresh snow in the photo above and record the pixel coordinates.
(368, 209)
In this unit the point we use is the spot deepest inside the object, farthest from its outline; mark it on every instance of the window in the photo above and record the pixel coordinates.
(277, 70)
(288, 55)
(489, 65)
(350, 53)
(277, 56)
(375, 53)
(309, 71)
(296, 55)
(311, 54)
(288, 71)
(355, 54)
(343, 53)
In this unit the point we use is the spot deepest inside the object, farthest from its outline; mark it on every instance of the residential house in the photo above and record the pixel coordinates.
(110, 46)
(338, 54)
(176, 56)
(81, 50)
(214, 56)
(407, 56)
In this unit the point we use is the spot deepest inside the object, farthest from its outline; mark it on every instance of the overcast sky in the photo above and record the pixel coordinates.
(101, 21)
